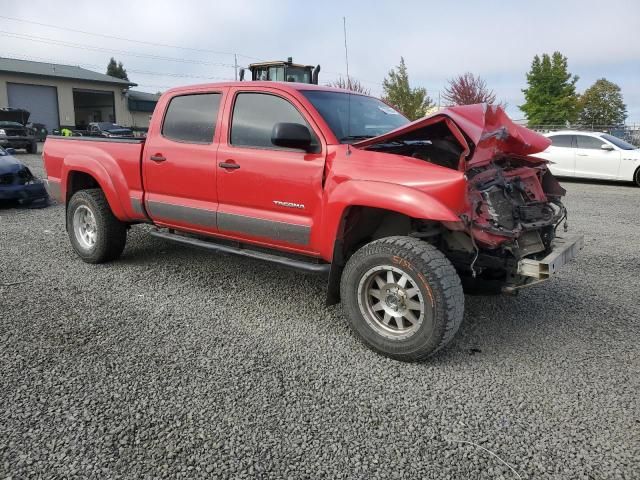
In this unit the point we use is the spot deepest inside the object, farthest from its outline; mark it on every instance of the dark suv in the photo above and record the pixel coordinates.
(13, 130)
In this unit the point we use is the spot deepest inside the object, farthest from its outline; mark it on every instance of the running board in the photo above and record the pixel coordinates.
(318, 268)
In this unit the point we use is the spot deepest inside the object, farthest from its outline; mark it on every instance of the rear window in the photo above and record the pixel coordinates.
(192, 118)
(561, 141)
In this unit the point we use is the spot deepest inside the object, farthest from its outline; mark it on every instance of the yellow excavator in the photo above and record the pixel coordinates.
(279, 71)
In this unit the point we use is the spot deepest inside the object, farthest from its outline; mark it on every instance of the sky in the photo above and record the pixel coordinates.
(494, 39)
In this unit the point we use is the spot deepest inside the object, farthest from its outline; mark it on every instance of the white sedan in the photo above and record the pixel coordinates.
(592, 155)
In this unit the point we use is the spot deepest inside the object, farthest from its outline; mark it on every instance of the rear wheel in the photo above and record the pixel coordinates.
(403, 297)
(96, 234)
(636, 177)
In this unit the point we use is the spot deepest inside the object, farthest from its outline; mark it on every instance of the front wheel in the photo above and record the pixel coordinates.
(636, 177)
(96, 234)
(403, 297)
(32, 147)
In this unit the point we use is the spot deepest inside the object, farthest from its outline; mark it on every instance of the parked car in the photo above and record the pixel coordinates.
(39, 130)
(595, 155)
(17, 183)
(13, 130)
(327, 181)
(108, 130)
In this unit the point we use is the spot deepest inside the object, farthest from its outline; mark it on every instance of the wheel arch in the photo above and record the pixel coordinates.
(82, 172)
(360, 225)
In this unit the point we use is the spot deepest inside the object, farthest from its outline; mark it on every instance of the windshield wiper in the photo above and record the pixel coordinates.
(356, 137)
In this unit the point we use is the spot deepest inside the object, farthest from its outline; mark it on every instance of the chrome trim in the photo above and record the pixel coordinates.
(191, 215)
(54, 189)
(258, 227)
(137, 206)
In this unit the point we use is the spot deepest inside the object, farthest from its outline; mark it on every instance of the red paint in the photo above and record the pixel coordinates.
(326, 183)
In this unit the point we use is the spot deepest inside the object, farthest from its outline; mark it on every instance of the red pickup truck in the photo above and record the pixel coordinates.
(400, 215)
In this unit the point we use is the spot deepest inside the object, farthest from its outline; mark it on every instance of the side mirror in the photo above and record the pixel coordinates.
(606, 146)
(10, 151)
(291, 135)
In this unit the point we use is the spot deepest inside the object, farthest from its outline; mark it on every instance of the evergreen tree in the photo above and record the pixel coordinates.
(412, 102)
(602, 104)
(550, 97)
(116, 69)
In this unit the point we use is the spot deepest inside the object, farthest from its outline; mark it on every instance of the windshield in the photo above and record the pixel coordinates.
(11, 124)
(370, 117)
(297, 74)
(618, 142)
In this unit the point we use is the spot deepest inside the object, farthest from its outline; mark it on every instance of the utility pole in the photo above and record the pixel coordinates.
(235, 63)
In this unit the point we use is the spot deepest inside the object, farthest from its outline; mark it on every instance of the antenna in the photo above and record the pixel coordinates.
(346, 59)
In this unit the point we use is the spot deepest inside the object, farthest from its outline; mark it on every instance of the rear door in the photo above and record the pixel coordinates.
(594, 162)
(268, 194)
(562, 153)
(179, 163)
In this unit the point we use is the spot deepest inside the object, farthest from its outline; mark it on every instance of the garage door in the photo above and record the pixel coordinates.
(40, 100)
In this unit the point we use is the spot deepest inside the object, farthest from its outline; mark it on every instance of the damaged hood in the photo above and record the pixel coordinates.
(483, 131)
(14, 115)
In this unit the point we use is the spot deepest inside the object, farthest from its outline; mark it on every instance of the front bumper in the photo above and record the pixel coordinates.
(29, 192)
(564, 250)
(16, 142)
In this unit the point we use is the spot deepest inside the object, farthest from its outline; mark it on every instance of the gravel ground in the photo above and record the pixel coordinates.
(173, 362)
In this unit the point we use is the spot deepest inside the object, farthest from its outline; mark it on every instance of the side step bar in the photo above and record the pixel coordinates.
(317, 268)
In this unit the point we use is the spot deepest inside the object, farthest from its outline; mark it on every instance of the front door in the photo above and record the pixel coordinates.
(594, 162)
(562, 155)
(179, 164)
(268, 194)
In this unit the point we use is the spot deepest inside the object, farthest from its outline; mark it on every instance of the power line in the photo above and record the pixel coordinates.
(139, 72)
(52, 41)
(113, 37)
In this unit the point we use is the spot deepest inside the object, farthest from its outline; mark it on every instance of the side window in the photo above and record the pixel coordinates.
(592, 143)
(254, 116)
(564, 141)
(192, 118)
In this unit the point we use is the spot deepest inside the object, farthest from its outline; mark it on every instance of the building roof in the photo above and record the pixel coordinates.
(28, 67)
(143, 96)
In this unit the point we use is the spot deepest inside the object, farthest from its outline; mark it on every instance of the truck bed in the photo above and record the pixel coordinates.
(110, 161)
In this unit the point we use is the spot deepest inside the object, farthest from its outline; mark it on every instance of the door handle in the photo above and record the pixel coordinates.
(157, 158)
(229, 165)
(582, 155)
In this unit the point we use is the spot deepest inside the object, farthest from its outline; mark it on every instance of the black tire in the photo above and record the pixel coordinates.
(636, 177)
(440, 294)
(110, 233)
(32, 147)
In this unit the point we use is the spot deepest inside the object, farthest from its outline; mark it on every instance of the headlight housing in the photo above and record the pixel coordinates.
(2, 132)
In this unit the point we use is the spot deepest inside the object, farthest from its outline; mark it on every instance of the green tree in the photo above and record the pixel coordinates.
(602, 104)
(550, 97)
(116, 69)
(412, 102)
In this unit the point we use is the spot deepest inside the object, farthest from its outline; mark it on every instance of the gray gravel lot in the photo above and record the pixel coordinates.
(173, 362)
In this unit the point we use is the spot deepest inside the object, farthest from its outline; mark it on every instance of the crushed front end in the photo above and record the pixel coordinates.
(17, 183)
(512, 230)
(516, 225)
